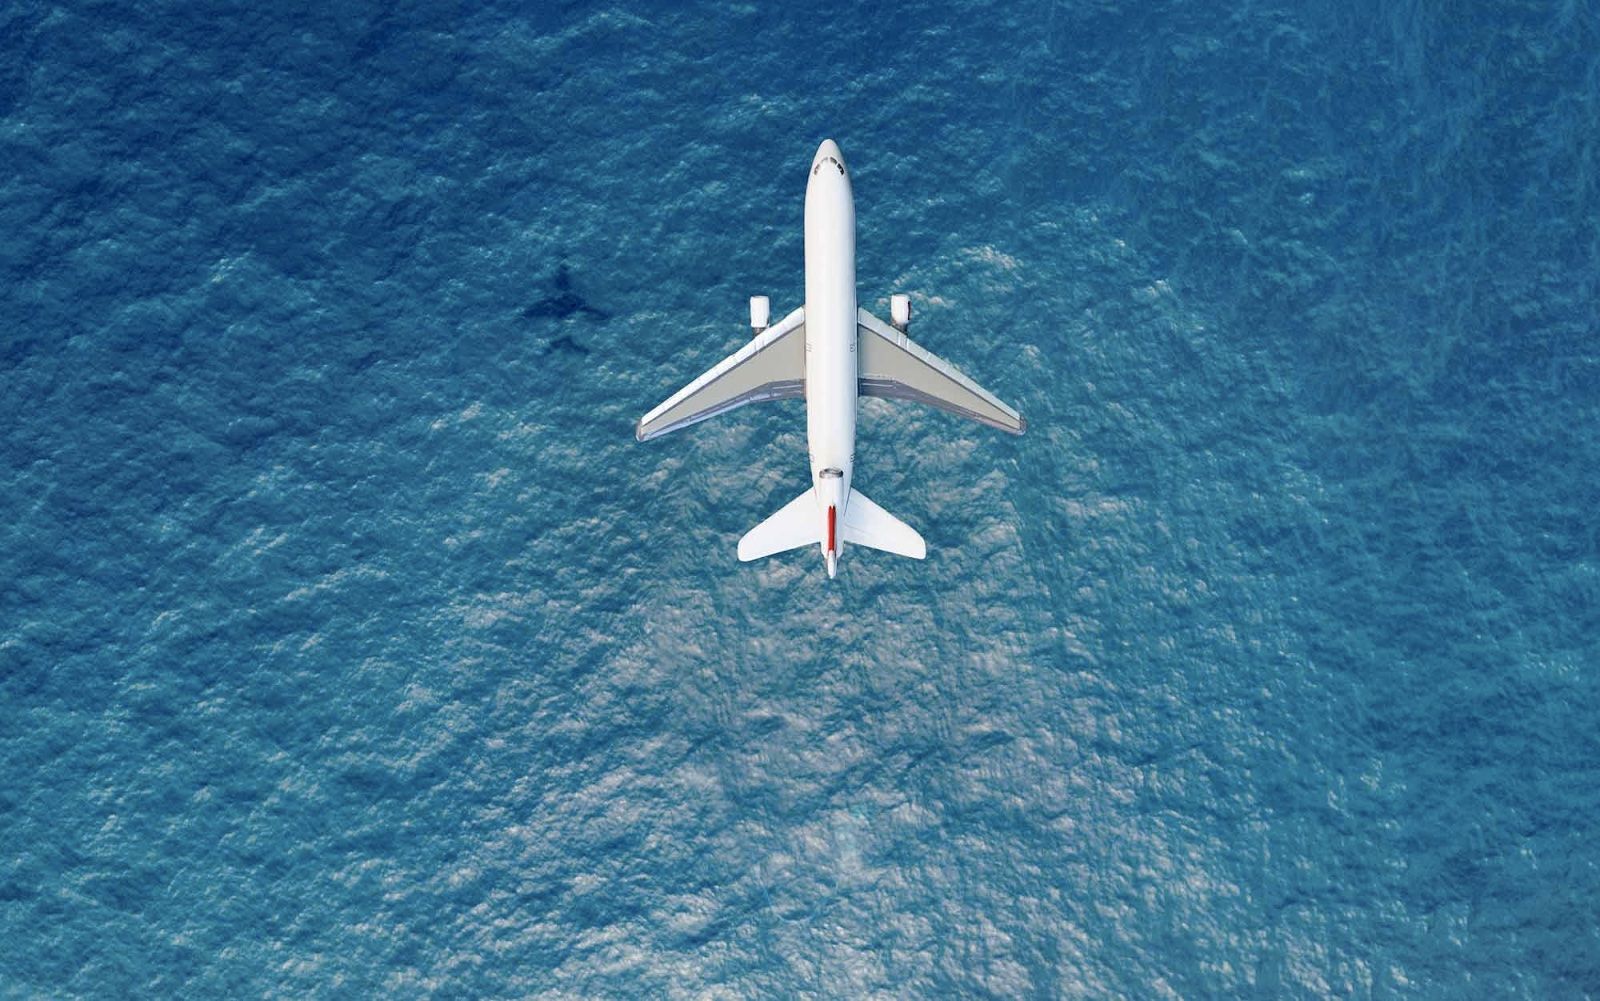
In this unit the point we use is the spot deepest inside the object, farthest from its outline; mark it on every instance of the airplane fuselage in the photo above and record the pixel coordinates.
(831, 364)
(831, 352)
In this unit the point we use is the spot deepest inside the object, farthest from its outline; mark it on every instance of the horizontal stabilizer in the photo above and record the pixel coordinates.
(867, 524)
(772, 366)
(798, 523)
(895, 367)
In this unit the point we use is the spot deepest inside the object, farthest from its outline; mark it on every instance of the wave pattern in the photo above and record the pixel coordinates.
(352, 645)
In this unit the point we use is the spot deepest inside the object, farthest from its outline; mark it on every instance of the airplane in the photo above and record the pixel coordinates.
(830, 352)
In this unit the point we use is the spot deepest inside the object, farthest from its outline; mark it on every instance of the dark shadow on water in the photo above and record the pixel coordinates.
(566, 345)
(562, 306)
(565, 303)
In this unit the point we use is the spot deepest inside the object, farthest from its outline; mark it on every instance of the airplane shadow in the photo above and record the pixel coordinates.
(563, 305)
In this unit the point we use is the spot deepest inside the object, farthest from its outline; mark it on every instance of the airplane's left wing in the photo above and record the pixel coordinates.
(895, 367)
(771, 367)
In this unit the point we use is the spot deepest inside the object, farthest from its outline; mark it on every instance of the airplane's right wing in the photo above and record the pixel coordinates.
(771, 367)
(895, 367)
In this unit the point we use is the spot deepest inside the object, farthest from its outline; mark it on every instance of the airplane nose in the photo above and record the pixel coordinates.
(828, 150)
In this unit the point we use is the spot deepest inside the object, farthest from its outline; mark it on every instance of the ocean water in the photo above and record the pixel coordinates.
(352, 647)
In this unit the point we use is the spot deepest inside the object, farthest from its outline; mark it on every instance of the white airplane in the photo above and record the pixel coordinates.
(830, 352)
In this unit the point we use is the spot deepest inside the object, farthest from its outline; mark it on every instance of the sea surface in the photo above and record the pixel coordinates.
(351, 646)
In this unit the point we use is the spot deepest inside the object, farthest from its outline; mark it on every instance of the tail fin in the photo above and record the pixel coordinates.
(798, 523)
(867, 524)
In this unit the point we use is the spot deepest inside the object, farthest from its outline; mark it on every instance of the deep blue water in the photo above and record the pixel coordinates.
(353, 647)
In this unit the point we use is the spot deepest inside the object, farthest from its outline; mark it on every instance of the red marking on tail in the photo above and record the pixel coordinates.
(832, 514)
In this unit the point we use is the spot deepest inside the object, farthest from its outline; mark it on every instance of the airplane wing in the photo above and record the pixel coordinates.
(895, 367)
(771, 367)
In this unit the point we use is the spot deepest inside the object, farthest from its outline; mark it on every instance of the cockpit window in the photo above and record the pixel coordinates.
(831, 474)
(827, 159)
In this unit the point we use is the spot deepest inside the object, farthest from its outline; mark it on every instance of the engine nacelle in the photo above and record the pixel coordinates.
(760, 312)
(900, 311)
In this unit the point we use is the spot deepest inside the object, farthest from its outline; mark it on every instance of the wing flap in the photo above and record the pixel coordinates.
(895, 367)
(771, 367)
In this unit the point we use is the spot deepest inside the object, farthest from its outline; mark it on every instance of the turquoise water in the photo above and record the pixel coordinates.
(353, 647)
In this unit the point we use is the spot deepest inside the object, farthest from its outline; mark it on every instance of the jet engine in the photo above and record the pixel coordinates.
(900, 312)
(760, 312)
